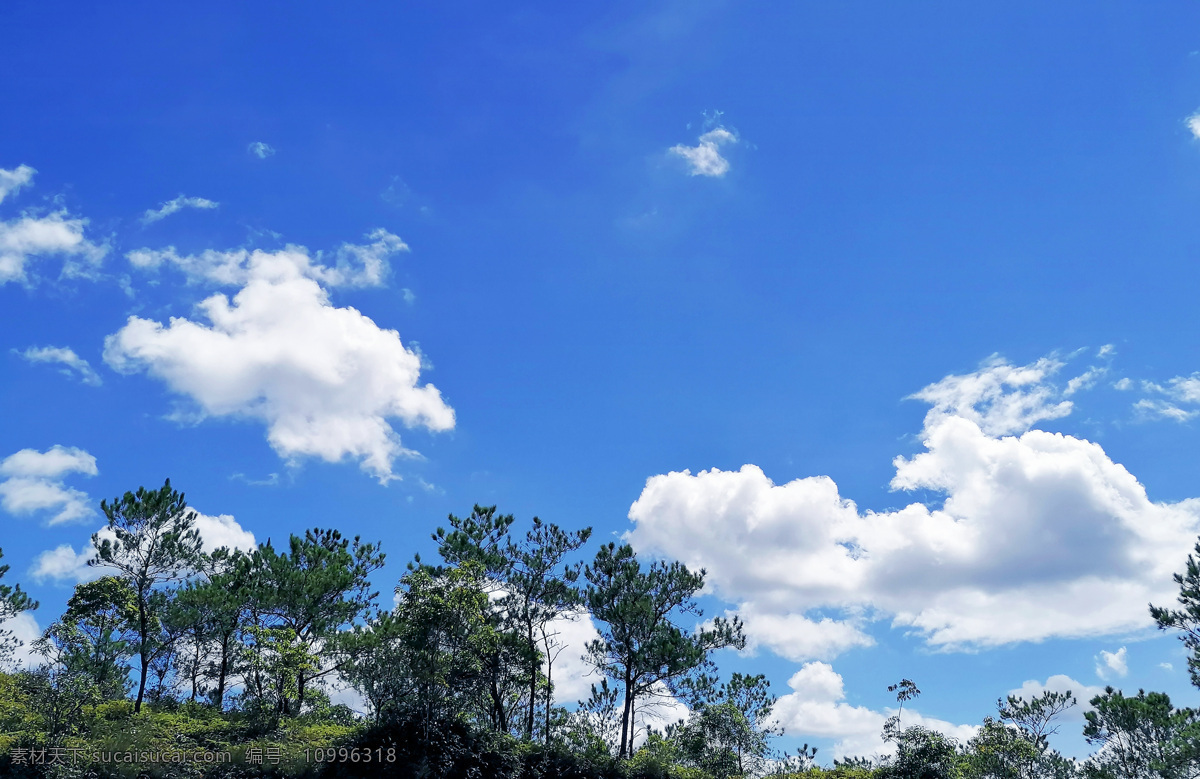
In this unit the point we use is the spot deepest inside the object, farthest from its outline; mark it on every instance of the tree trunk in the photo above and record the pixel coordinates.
(220, 696)
(549, 694)
(533, 672)
(625, 711)
(143, 651)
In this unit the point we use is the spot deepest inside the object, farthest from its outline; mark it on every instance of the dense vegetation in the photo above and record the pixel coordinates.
(181, 663)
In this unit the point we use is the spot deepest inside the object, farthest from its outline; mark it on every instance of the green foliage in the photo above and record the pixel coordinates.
(307, 595)
(1142, 736)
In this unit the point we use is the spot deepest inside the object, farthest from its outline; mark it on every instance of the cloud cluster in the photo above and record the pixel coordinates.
(176, 205)
(1040, 535)
(72, 363)
(1169, 399)
(33, 483)
(704, 159)
(32, 235)
(325, 380)
(816, 707)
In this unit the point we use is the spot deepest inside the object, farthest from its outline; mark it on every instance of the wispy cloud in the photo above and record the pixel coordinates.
(1193, 124)
(704, 159)
(176, 205)
(261, 149)
(72, 363)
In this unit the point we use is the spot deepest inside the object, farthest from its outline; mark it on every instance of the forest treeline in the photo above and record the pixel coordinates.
(175, 662)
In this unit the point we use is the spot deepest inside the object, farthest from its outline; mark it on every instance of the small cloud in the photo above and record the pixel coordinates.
(704, 159)
(272, 480)
(1166, 666)
(410, 297)
(11, 181)
(72, 363)
(1108, 350)
(34, 483)
(397, 192)
(1124, 384)
(178, 204)
(261, 150)
(1110, 664)
(1193, 124)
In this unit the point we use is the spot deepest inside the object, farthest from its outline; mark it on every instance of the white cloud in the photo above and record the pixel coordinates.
(1112, 664)
(1153, 408)
(1000, 398)
(223, 530)
(11, 181)
(1193, 124)
(31, 235)
(1123, 384)
(704, 159)
(72, 363)
(33, 483)
(573, 677)
(1166, 666)
(260, 149)
(356, 265)
(816, 707)
(176, 205)
(325, 380)
(1039, 536)
(64, 564)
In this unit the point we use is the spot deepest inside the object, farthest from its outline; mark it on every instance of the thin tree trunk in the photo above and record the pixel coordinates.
(143, 652)
(625, 710)
(533, 672)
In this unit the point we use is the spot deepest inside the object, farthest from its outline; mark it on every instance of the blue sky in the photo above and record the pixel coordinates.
(560, 252)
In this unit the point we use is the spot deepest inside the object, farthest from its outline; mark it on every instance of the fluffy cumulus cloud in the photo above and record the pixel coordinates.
(816, 707)
(1039, 535)
(176, 205)
(32, 235)
(704, 159)
(71, 364)
(33, 483)
(63, 564)
(1193, 125)
(326, 380)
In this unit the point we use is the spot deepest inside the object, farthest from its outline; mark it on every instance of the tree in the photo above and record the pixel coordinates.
(59, 692)
(1034, 717)
(104, 616)
(730, 726)
(317, 587)
(639, 645)
(1186, 619)
(1143, 736)
(440, 633)
(540, 589)
(151, 540)
(481, 538)
(12, 602)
